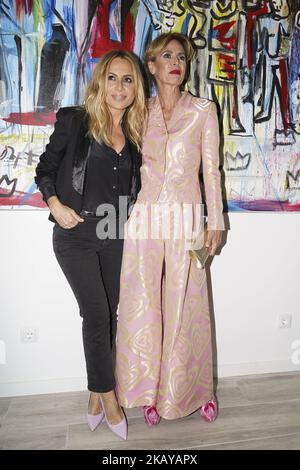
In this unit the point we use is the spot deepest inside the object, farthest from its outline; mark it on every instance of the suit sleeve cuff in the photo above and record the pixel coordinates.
(47, 188)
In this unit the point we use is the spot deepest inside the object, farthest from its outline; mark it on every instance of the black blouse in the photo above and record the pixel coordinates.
(108, 176)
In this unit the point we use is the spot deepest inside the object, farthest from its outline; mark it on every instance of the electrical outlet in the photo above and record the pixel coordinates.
(284, 321)
(29, 335)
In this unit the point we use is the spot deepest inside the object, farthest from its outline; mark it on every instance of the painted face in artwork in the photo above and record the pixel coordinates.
(252, 4)
(198, 5)
(223, 8)
(280, 8)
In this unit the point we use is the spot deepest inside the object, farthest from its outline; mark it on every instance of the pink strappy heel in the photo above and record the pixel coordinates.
(209, 411)
(151, 416)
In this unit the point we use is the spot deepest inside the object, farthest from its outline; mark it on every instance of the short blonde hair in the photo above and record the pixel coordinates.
(98, 114)
(161, 42)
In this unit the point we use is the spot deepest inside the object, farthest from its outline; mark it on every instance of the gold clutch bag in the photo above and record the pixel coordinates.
(199, 257)
(200, 253)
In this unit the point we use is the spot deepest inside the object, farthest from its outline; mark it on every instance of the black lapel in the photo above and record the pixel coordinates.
(80, 130)
(135, 179)
(81, 151)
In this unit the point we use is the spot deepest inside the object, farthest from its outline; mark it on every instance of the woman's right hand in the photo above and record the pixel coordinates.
(64, 215)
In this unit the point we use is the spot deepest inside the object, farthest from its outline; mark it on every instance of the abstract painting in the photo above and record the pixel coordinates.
(247, 59)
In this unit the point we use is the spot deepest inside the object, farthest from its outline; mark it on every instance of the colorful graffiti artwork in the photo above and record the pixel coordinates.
(247, 59)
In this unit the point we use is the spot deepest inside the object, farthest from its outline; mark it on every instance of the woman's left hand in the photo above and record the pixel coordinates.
(213, 240)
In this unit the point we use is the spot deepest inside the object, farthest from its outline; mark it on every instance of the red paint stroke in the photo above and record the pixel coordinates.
(34, 200)
(100, 40)
(284, 89)
(221, 36)
(252, 16)
(227, 65)
(235, 98)
(24, 6)
(32, 118)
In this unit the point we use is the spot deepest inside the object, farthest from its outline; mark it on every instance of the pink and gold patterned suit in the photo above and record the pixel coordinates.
(164, 353)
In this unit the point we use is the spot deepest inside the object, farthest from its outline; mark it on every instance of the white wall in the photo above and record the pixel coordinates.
(255, 279)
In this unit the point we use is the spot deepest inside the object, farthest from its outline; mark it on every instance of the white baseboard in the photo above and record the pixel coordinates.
(74, 384)
(253, 368)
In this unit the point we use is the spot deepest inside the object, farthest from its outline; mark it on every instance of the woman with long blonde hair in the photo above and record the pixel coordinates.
(91, 161)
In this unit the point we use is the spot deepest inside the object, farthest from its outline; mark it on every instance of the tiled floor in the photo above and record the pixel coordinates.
(256, 412)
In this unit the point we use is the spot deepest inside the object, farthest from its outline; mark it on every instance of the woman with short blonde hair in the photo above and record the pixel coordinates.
(164, 350)
(160, 43)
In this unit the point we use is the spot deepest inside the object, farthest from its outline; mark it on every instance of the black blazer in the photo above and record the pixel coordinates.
(61, 169)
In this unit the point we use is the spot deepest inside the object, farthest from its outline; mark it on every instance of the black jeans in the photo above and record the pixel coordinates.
(92, 268)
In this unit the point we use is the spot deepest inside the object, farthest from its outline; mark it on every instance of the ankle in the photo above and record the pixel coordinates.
(94, 404)
(109, 400)
(112, 408)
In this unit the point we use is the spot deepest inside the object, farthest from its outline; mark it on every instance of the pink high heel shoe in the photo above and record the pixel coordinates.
(151, 416)
(209, 411)
(120, 429)
(93, 421)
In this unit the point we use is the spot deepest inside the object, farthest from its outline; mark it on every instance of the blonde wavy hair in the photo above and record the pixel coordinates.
(98, 114)
(160, 43)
